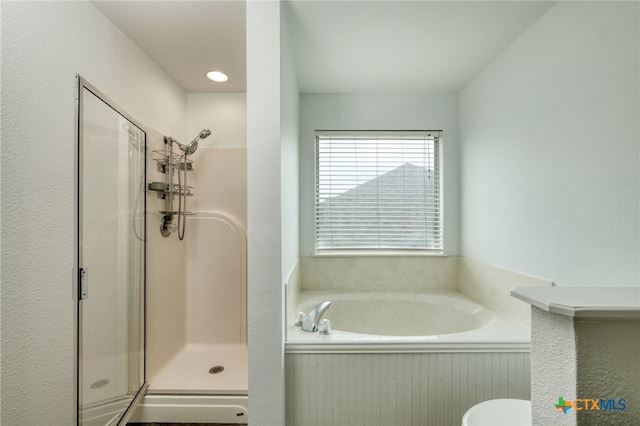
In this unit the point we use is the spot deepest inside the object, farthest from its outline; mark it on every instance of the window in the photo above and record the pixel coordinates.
(378, 190)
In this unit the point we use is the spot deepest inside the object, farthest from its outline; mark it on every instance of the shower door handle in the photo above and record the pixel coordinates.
(83, 286)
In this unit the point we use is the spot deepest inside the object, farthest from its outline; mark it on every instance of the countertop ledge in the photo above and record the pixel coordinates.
(584, 302)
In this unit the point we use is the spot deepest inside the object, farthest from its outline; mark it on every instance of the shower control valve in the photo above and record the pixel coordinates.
(167, 226)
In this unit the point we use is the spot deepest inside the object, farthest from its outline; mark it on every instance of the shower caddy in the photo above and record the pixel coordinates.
(167, 161)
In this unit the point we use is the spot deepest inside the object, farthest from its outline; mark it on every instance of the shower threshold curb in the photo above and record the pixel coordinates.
(159, 408)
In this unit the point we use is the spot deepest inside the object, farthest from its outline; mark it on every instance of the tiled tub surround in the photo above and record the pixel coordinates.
(491, 286)
(386, 377)
(379, 273)
(487, 284)
(292, 290)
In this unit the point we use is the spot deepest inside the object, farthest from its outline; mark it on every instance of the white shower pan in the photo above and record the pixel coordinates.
(207, 378)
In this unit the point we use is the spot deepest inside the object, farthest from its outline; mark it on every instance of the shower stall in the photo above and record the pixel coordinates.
(161, 272)
(196, 291)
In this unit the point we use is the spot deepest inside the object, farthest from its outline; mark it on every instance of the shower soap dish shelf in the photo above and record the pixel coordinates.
(176, 212)
(163, 160)
(167, 161)
(163, 189)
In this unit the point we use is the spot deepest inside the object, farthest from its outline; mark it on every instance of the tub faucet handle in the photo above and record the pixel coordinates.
(300, 319)
(325, 327)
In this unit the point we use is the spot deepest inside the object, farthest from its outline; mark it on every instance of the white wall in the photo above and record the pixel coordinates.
(289, 116)
(549, 167)
(421, 111)
(265, 301)
(44, 45)
(225, 114)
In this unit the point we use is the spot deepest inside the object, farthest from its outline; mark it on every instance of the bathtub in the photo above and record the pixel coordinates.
(380, 321)
(402, 359)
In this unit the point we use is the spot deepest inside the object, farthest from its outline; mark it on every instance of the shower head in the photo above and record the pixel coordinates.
(203, 134)
(193, 145)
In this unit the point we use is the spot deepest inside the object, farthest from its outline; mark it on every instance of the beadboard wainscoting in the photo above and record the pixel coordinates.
(393, 389)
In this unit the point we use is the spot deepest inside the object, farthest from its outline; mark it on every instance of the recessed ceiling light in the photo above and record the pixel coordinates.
(217, 76)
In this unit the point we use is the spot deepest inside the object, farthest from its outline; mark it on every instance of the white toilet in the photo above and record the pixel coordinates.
(499, 412)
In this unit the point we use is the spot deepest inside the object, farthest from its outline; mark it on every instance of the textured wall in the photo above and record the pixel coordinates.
(549, 145)
(608, 355)
(289, 111)
(265, 281)
(553, 367)
(44, 44)
(399, 389)
(584, 359)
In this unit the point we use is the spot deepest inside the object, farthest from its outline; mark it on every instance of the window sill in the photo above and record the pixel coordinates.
(381, 253)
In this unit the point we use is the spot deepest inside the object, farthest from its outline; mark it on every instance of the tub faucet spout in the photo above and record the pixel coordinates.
(312, 320)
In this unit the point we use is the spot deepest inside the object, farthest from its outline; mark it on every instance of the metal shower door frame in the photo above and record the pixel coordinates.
(78, 289)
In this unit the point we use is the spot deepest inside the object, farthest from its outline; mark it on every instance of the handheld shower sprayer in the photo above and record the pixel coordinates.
(193, 145)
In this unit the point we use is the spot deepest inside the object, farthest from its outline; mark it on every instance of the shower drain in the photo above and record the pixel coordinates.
(217, 369)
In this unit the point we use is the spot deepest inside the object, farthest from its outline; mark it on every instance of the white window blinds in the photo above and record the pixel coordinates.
(378, 190)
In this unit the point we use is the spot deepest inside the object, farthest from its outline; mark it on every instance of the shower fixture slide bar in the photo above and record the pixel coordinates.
(167, 161)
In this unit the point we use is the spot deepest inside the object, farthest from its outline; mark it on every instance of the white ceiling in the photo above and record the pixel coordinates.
(376, 46)
(339, 46)
(187, 38)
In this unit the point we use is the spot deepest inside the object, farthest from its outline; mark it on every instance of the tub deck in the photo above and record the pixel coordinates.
(498, 334)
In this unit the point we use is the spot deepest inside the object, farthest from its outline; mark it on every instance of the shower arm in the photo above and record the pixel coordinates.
(190, 148)
(171, 141)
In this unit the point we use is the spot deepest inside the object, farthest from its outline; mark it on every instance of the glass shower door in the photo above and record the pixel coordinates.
(111, 260)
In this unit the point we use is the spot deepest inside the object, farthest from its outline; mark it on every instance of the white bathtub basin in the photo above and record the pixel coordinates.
(395, 321)
(403, 314)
